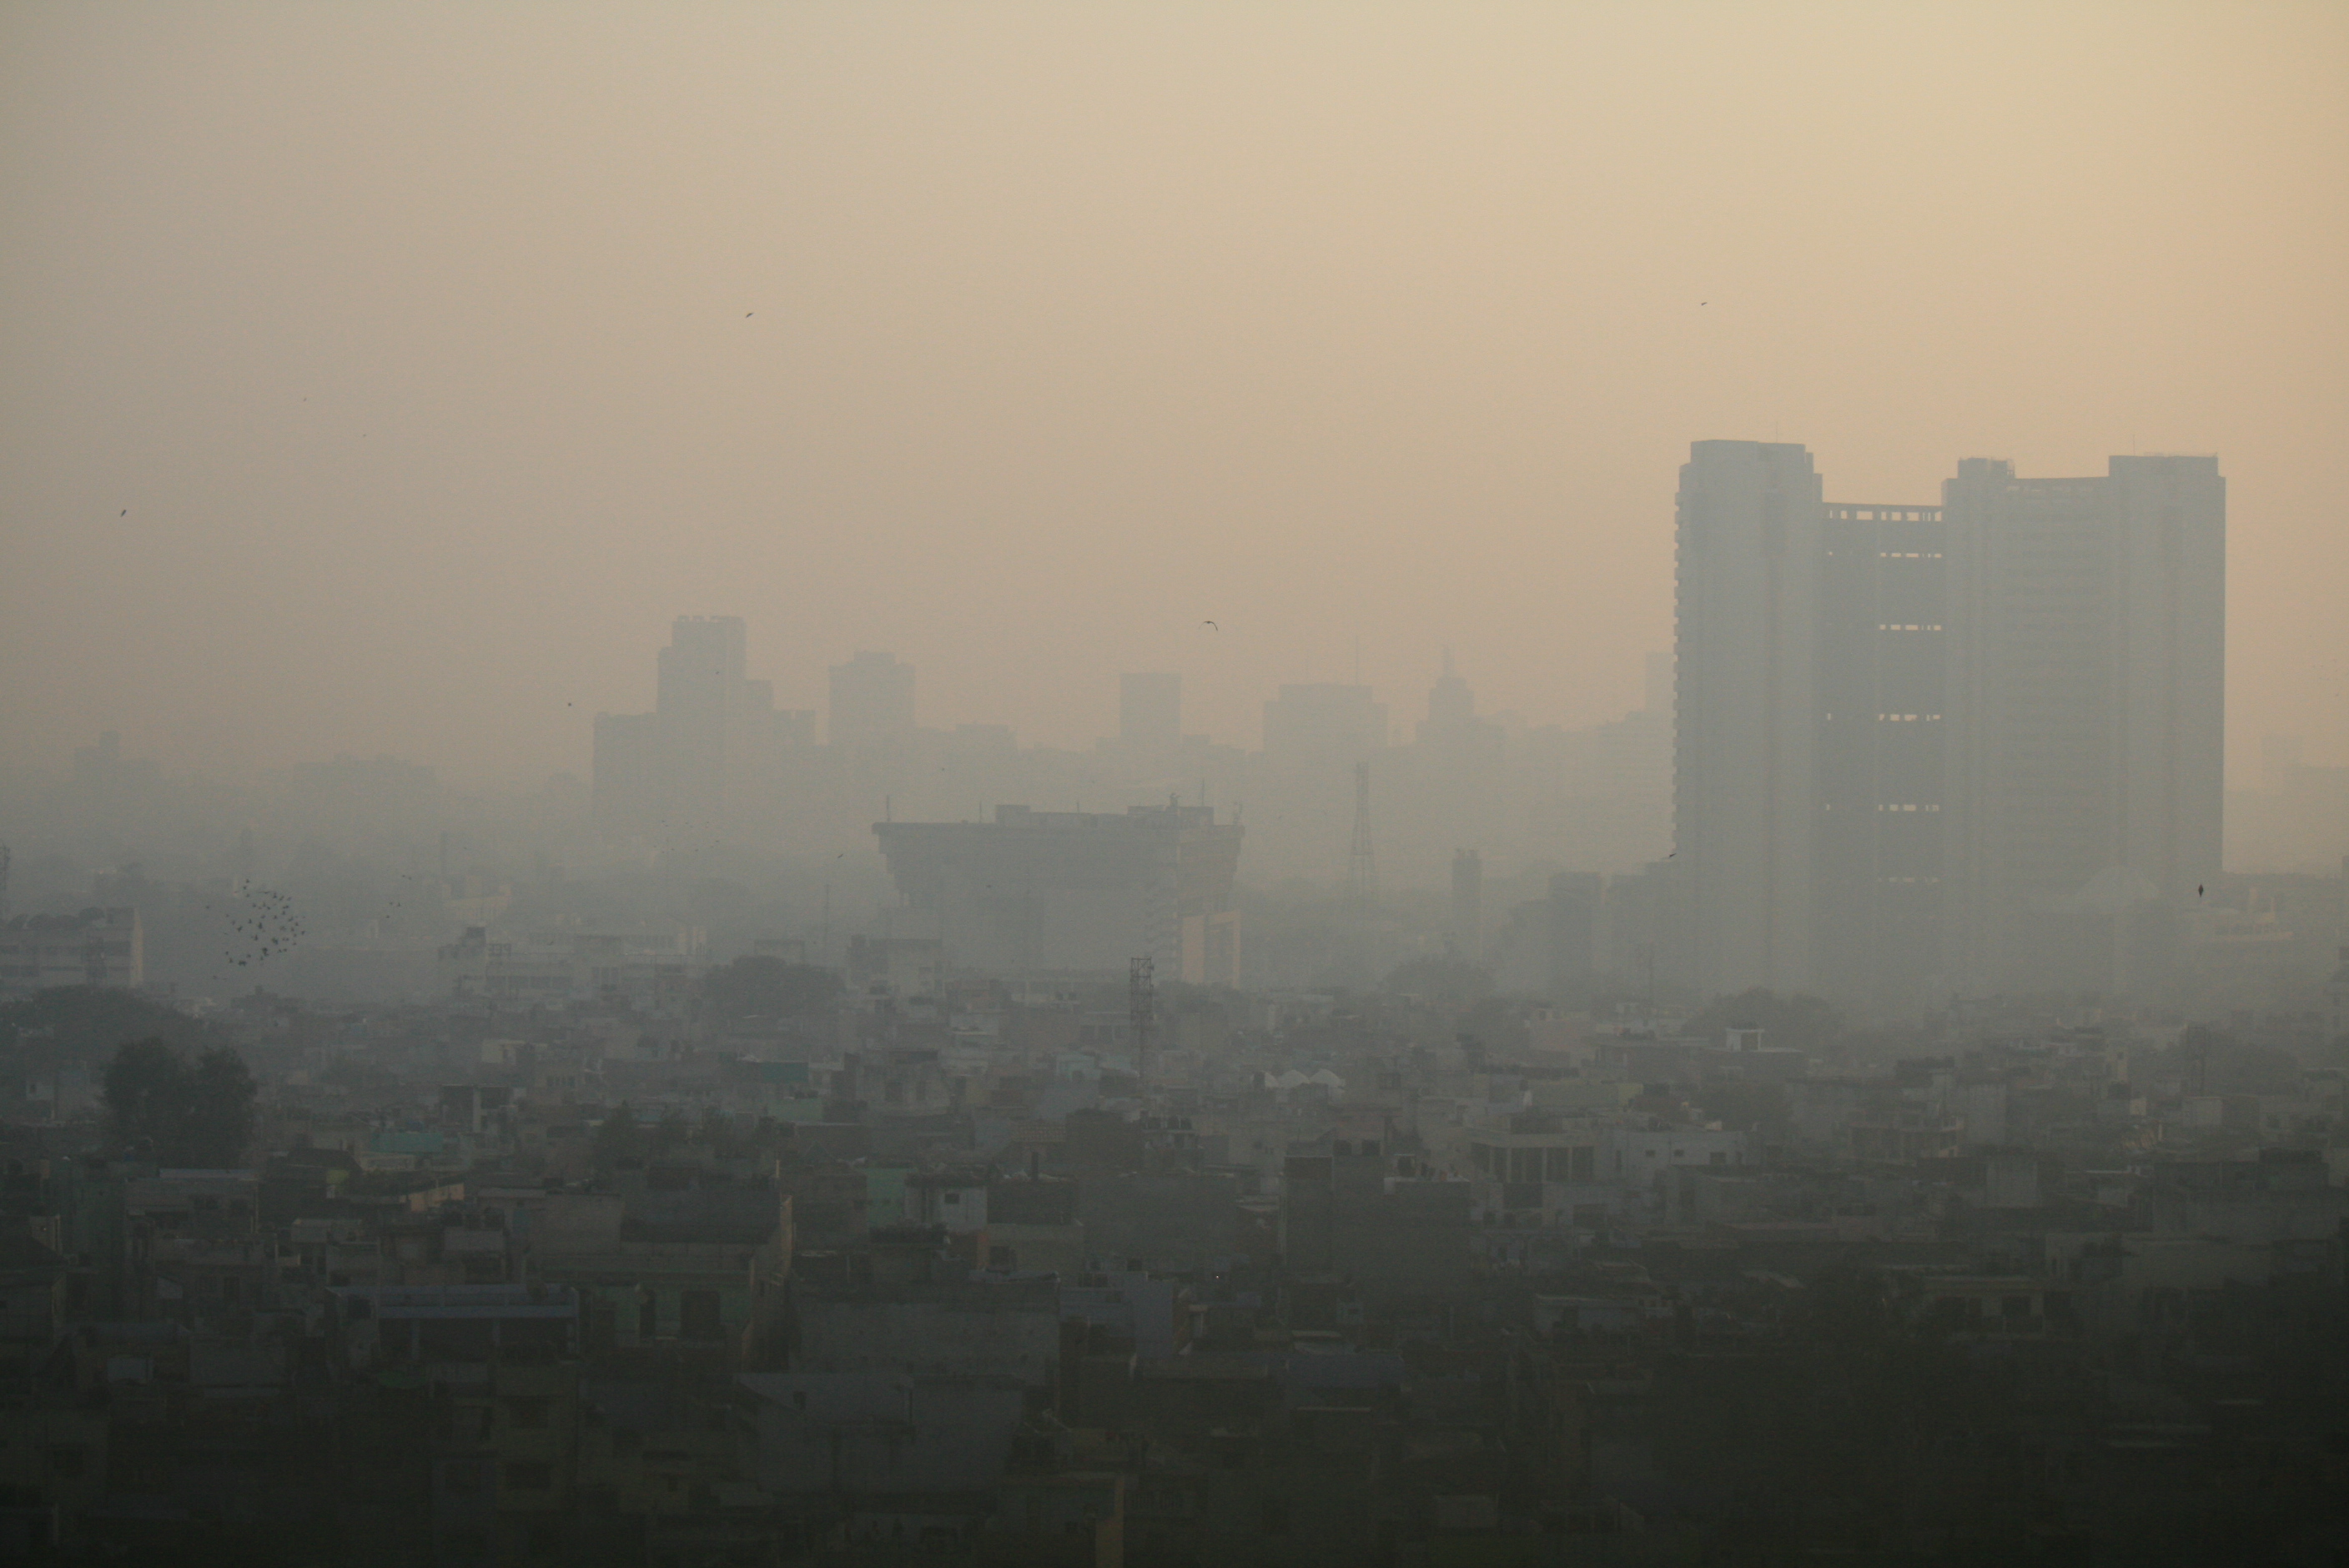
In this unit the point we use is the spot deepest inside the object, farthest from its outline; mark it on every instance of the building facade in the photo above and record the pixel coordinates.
(1035, 892)
(96, 947)
(1926, 750)
(1746, 737)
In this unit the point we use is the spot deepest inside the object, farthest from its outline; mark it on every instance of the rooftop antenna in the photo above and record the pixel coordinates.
(1142, 1009)
(1361, 856)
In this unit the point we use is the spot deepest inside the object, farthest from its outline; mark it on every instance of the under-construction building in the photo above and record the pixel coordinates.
(1073, 892)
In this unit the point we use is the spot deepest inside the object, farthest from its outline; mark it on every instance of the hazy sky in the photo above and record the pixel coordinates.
(440, 355)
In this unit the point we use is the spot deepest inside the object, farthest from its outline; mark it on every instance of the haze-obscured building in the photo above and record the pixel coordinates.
(1325, 725)
(872, 701)
(1073, 891)
(1922, 749)
(2087, 658)
(1745, 781)
(707, 761)
(1150, 711)
(96, 947)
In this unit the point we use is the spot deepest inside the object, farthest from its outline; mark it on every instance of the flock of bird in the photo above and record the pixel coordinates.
(262, 925)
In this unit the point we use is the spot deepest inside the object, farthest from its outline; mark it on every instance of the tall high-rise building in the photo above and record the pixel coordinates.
(1746, 775)
(872, 701)
(1468, 904)
(1316, 736)
(1324, 725)
(703, 698)
(1150, 712)
(1973, 748)
(1883, 754)
(1452, 725)
(703, 763)
(2087, 655)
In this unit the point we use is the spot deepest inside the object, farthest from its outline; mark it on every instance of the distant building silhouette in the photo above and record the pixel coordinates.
(1468, 904)
(1038, 892)
(2087, 632)
(704, 763)
(1150, 712)
(1324, 725)
(100, 947)
(1745, 780)
(1451, 723)
(872, 702)
(1924, 749)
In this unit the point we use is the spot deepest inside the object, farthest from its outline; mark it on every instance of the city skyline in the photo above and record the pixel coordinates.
(1035, 783)
(368, 425)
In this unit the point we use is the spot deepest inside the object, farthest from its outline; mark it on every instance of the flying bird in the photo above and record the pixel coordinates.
(1211, 625)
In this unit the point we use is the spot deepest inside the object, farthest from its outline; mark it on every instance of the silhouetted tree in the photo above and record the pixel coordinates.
(766, 1134)
(721, 1133)
(670, 1132)
(178, 1113)
(77, 1023)
(219, 1108)
(620, 1137)
(146, 1085)
(1500, 1022)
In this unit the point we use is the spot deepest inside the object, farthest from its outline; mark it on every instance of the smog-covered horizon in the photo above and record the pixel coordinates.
(1356, 784)
(384, 383)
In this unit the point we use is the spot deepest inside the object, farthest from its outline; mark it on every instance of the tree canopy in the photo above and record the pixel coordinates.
(79, 1022)
(619, 1138)
(178, 1111)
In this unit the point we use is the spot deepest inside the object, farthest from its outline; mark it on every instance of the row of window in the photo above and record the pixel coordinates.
(1568, 1164)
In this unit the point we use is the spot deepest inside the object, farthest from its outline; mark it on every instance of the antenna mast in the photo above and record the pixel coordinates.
(1362, 858)
(1142, 1009)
